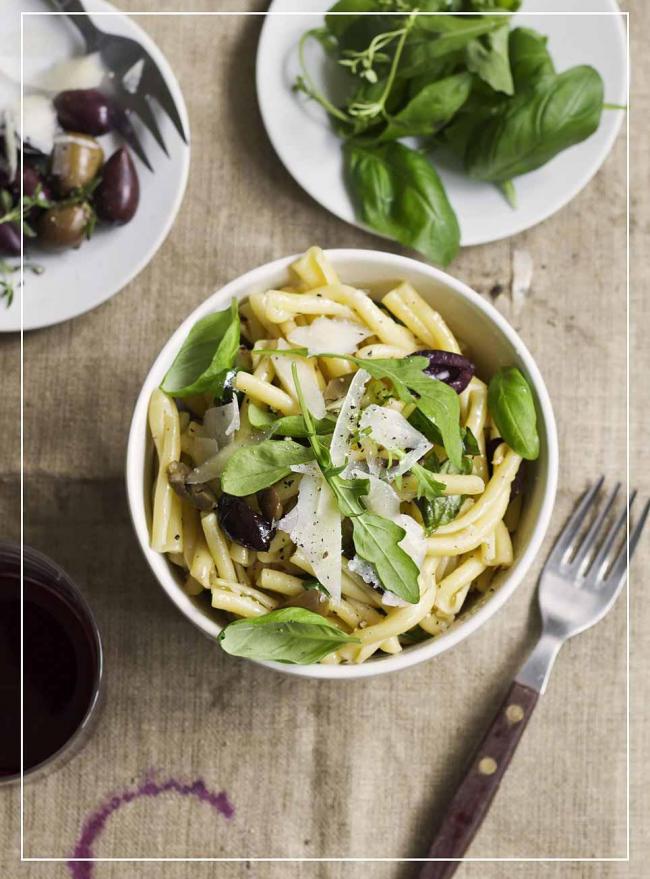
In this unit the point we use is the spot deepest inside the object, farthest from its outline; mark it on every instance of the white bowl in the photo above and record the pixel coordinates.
(493, 344)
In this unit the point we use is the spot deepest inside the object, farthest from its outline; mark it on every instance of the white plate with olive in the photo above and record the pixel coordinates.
(108, 214)
(413, 126)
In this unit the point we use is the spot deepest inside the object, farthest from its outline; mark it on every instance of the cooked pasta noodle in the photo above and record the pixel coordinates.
(456, 521)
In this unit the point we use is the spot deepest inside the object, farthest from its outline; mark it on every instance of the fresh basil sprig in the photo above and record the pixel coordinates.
(254, 467)
(398, 192)
(375, 539)
(206, 355)
(293, 634)
(512, 407)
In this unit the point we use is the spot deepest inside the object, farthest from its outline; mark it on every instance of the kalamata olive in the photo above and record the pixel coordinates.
(199, 495)
(86, 110)
(76, 160)
(9, 239)
(452, 369)
(244, 525)
(270, 503)
(117, 196)
(64, 226)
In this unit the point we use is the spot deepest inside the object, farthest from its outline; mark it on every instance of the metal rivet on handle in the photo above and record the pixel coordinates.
(514, 713)
(487, 766)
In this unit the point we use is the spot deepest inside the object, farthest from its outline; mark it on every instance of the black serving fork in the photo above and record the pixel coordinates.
(580, 582)
(134, 77)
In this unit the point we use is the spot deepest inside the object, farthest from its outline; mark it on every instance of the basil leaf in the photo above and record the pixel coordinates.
(338, 24)
(511, 405)
(431, 108)
(397, 192)
(536, 125)
(470, 443)
(433, 36)
(439, 511)
(377, 541)
(490, 5)
(206, 355)
(530, 60)
(293, 635)
(259, 418)
(488, 58)
(254, 467)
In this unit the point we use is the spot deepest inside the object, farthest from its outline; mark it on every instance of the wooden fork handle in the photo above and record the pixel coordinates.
(472, 800)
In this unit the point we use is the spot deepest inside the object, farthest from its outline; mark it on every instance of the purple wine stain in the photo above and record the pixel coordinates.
(95, 823)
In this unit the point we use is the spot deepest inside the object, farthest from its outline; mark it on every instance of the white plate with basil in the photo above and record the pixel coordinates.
(500, 119)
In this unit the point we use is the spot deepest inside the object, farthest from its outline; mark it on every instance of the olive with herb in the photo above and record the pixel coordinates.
(452, 369)
(76, 161)
(65, 225)
(86, 110)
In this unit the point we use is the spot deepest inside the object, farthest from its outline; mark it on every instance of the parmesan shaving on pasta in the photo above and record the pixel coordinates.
(312, 393)
(390, 429)
(221, 422)
(348, 418)
(330, 334)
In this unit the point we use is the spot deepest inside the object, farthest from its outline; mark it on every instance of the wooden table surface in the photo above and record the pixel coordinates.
(360, 769)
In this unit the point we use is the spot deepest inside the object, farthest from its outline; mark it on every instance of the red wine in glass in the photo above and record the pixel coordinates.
(62, 668)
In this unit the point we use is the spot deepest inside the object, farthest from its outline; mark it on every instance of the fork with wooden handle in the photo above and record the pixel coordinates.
(579, 583)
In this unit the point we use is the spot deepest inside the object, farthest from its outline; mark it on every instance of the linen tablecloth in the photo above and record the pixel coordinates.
(324, 769)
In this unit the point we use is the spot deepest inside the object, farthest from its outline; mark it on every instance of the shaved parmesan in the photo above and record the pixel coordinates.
(414, 542)
(365, 570)
(330, 334)
(311, 392)
(314, 525)
(221, 422)
(208, 470)
(348, 418)
(39, 123)
(311, 468)
(381, 499)
(83, 72)
(390, 429)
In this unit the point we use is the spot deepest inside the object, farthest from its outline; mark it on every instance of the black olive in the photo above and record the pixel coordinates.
(118, 194)
(244, 525)
(85, 110)
(270, 503)
(9, 239)
(452, 369)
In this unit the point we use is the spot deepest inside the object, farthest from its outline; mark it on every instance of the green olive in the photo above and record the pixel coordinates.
(64, 226)
(76, 160)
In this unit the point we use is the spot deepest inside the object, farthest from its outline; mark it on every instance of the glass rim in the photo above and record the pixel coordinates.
(45, 565)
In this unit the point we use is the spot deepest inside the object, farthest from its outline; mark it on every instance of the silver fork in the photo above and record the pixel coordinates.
(580, 582)
(134, 77)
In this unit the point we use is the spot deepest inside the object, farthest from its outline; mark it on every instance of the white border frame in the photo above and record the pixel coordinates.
(65, 860)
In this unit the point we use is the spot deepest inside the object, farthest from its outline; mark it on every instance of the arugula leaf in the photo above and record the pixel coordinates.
(436, 401)
(397, 192)
(206, 355)
(428, 486)
(488, 58)
(375, 539)
(254, 467)
(512, 407)
(292, 635)
(536, 125)
(287, 425)
(431, 108)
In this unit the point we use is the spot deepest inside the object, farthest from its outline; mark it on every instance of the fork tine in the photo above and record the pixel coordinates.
(618, 572)
(602, 557)
(570, 530)
(126, 129)
(158, 89)
(588, 541)
(139, 104)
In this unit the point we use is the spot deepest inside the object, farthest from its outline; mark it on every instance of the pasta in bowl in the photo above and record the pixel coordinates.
(326, 471)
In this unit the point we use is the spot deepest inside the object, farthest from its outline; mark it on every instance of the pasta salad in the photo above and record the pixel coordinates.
(331, 472)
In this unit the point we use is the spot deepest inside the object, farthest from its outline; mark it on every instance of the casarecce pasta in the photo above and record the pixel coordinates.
(331, 470)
